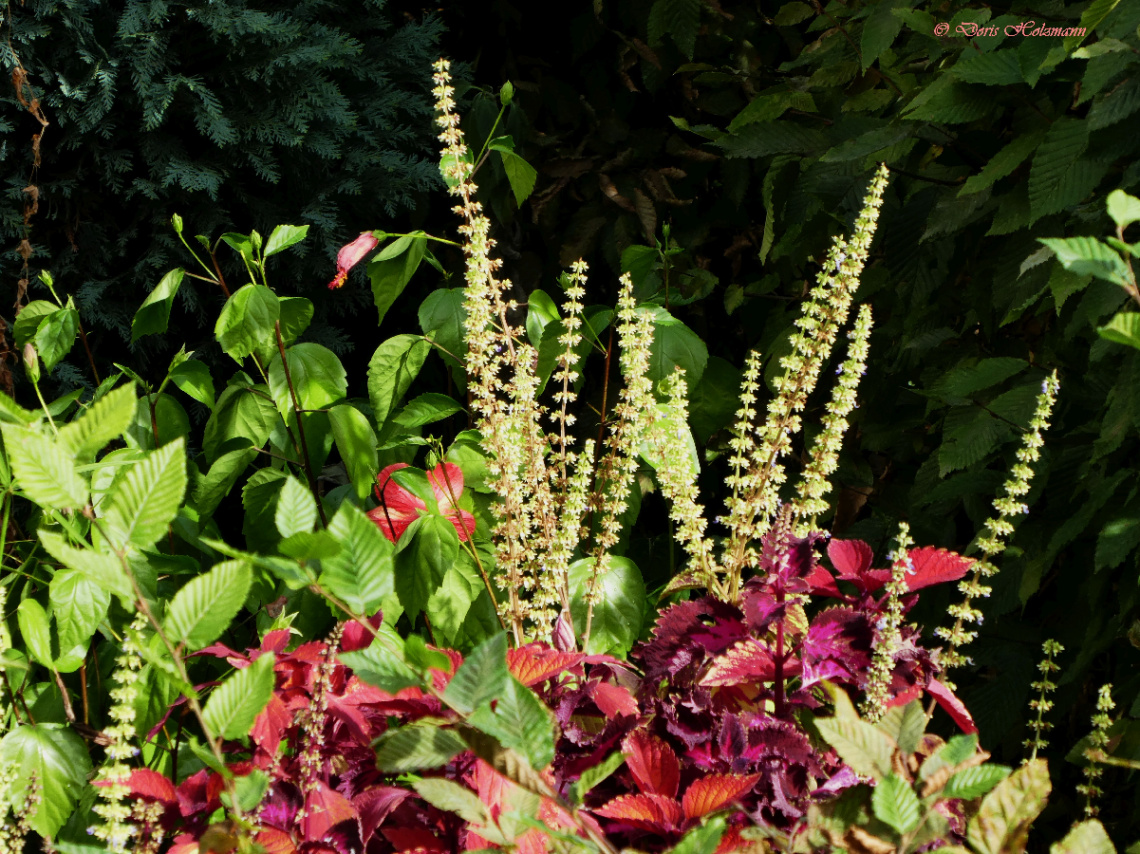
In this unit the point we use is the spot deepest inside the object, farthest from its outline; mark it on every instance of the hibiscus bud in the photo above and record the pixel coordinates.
(564, 640)
(31, 363)
(351, 255)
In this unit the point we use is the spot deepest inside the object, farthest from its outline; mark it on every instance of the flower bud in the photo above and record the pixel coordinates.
(31, 363)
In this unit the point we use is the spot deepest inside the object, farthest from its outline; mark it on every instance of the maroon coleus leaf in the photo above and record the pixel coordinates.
(655, 813)
(324, 807)
(653, 764)
(837, 646)
(787, 560)
(689, 632)
(749, 661)
(715, 792)
(374, 805)
(929, 565)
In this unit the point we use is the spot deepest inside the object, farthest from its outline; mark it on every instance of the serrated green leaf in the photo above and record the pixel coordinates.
(996, 68)
(212, 487)
(242, 411)
(153, 315)
(29, 319)
(1088, 256)
(896, 805)
(36, 631)
(380, 665)
(520, 722)
(679, 19)
(595, 774)
(57, 758)
(106, 419)
(1088, 837)
(949, 101)
(452, 797)
(206, 605)
(1002, 822)
(362, 574)
(393, 367)
(1051, 187)
(43, 470)
(880, 30)
(284, 236)
(103, 569)
(763, 139)
(1116, 106)
(428, 549)
(78, 606)
(675, 346)
(482, 676)
(1124, 328)
(790, 14)
(1003, 163)
(146, 500)
(970, 783)
(859, 744)
(296, 509)
(247, 320)
(55, 336)
(416, 747)
(235, 704)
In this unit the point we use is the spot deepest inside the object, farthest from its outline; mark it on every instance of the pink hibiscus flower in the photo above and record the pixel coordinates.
(399, 507)
(351, 255)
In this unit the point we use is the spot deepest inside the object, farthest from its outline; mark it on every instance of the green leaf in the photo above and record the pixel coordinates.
(1002, 822)
(43, 471)
(541, 311)
(79, 605)
(619, 610)
(968, 378)
(428, 549)
(1053, 184)
(235, 704)
(675, 346)
(105, 419)
(356, 443)
(680, 19)
(860, 744)
(393, 367)
(790, 14)
(146, 500)
(205, 606)
(996, 68)
(378, 664)
(104, 570)
(1088, 256)
(1115, 107)
(416, 747)
(868, 143)
(879, 31)
(247, 320)
(211, 488)
(36, 631)
(520, 175)
(595, 774)
(895, 804)
(310, 545)
(702, 839)
(169, 415)
(56, 336)
(392, 269)
(1124, 328)
(362, 574)
(762, 139)
(426, 409)
(250, 790)
(970, 783)
(153, 315)
(296, 509)
(58, 760)
(1088, 837)
(520, 722)
(452, 797)
(448, 605)
(482, 677)
(1123, 208)
(193, 377)
(240, 412)
(949, 101)
(1003, 163)
(296, 314)
(284, 236)
(29, 319)
(317, 374)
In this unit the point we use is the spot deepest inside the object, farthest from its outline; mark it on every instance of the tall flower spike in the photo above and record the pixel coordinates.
(113, 778)
(997, 529)
(752, 508)
(887, 636)
(1041, 704)
(824, 458)
(1098, 738)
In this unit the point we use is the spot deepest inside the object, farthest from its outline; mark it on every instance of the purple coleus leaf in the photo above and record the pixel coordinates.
(837, 647)
(689, 632)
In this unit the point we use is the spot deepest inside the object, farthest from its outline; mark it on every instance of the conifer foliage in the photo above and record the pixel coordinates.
(229, 112)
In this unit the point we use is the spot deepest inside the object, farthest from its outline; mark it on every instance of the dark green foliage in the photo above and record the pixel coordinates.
(752, 132)
(235, 114)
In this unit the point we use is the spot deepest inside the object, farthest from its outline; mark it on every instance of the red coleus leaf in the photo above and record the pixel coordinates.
(411, 839)
(852, 558)
(324, 807)
(151, 785)
(533, 663)
(275, 841)
(655, 813)
(350, 255)
(614, 700)
(952, 706)
(653, 763)
(715, 792)
(269, 727)
(929, 565)
(747, 661)
(374, 805)
(399, 507)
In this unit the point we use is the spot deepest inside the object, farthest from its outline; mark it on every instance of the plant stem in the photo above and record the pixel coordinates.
(305, 461)
(87, 347)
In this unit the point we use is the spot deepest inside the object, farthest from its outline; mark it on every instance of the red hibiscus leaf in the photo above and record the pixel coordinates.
(715, 792)
(275, 841)
(952, 706)
(145, 783)
(653, 764)
(747, 661)
(649, 812)
(614, 700)
(324, 807)
(934, 566)
(532, 664)
(851, 557)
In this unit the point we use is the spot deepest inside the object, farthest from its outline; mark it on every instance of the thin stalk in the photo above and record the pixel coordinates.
(306, 463)
(87, 348)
